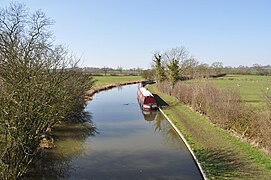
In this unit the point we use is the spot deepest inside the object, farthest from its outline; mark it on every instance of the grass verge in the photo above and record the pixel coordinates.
(221, 155)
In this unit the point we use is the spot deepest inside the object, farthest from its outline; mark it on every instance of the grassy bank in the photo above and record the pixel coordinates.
(104, 80)
(222, 155)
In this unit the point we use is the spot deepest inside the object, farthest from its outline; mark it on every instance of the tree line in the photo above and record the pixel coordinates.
(256, 69)
(108, 71)
(40, 86)
(177, 63)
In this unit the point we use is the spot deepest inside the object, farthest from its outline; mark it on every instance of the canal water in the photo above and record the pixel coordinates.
(126, 144)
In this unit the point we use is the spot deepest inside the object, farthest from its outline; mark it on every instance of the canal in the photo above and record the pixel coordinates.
(126, 144)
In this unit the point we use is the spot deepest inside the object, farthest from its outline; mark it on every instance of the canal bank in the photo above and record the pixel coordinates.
(221, 155)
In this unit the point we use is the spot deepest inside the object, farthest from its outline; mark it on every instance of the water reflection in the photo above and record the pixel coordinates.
(161, 126)
(120, 88)
(170, 137)
(69, 139)
(149, 115)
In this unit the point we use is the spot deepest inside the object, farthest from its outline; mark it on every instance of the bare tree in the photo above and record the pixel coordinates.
(188, 67)
(105, 70)
(203, 71)
(40, 86)
(217, 67)
(174, 57)
(179, 53)
(119, 68)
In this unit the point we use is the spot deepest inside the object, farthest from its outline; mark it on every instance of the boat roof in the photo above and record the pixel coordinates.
(145, 92)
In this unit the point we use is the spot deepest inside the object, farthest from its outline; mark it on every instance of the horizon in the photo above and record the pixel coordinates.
(115, 68)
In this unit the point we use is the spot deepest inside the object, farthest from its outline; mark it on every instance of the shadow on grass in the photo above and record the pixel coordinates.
(225, 164)
(253, 101)
(160, 101)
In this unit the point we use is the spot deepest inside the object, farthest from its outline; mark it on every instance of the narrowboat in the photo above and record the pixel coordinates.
(146, 99)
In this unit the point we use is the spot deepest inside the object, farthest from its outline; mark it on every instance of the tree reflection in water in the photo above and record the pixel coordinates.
(69, 139)
(161, 125)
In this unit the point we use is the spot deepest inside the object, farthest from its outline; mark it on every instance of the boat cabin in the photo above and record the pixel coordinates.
(146, 99)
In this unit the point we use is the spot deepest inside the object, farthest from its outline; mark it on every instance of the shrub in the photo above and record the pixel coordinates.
(267, 96)
(260, 130)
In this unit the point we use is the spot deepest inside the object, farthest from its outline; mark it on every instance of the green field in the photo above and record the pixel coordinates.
(103, 80)
(251, 87)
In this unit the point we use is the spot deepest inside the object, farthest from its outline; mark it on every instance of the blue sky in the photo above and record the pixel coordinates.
(125, 33)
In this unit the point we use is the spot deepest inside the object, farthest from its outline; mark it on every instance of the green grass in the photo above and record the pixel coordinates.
(222, 155)
(103, 80)
(251, 87)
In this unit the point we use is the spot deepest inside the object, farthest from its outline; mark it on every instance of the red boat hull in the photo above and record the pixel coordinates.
(146, 99)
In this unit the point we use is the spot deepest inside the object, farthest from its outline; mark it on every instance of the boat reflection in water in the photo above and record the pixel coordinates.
(149, 115)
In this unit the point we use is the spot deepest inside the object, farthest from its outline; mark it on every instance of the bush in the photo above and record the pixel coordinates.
(261, 130)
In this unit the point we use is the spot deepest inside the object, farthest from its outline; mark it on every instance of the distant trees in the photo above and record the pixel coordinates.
(105, 70)
(217, 68)
(189, 68)
(203, 71)
(259, 70)
(119, 68)
(39, 86)
(148, 74)
(256, 69)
